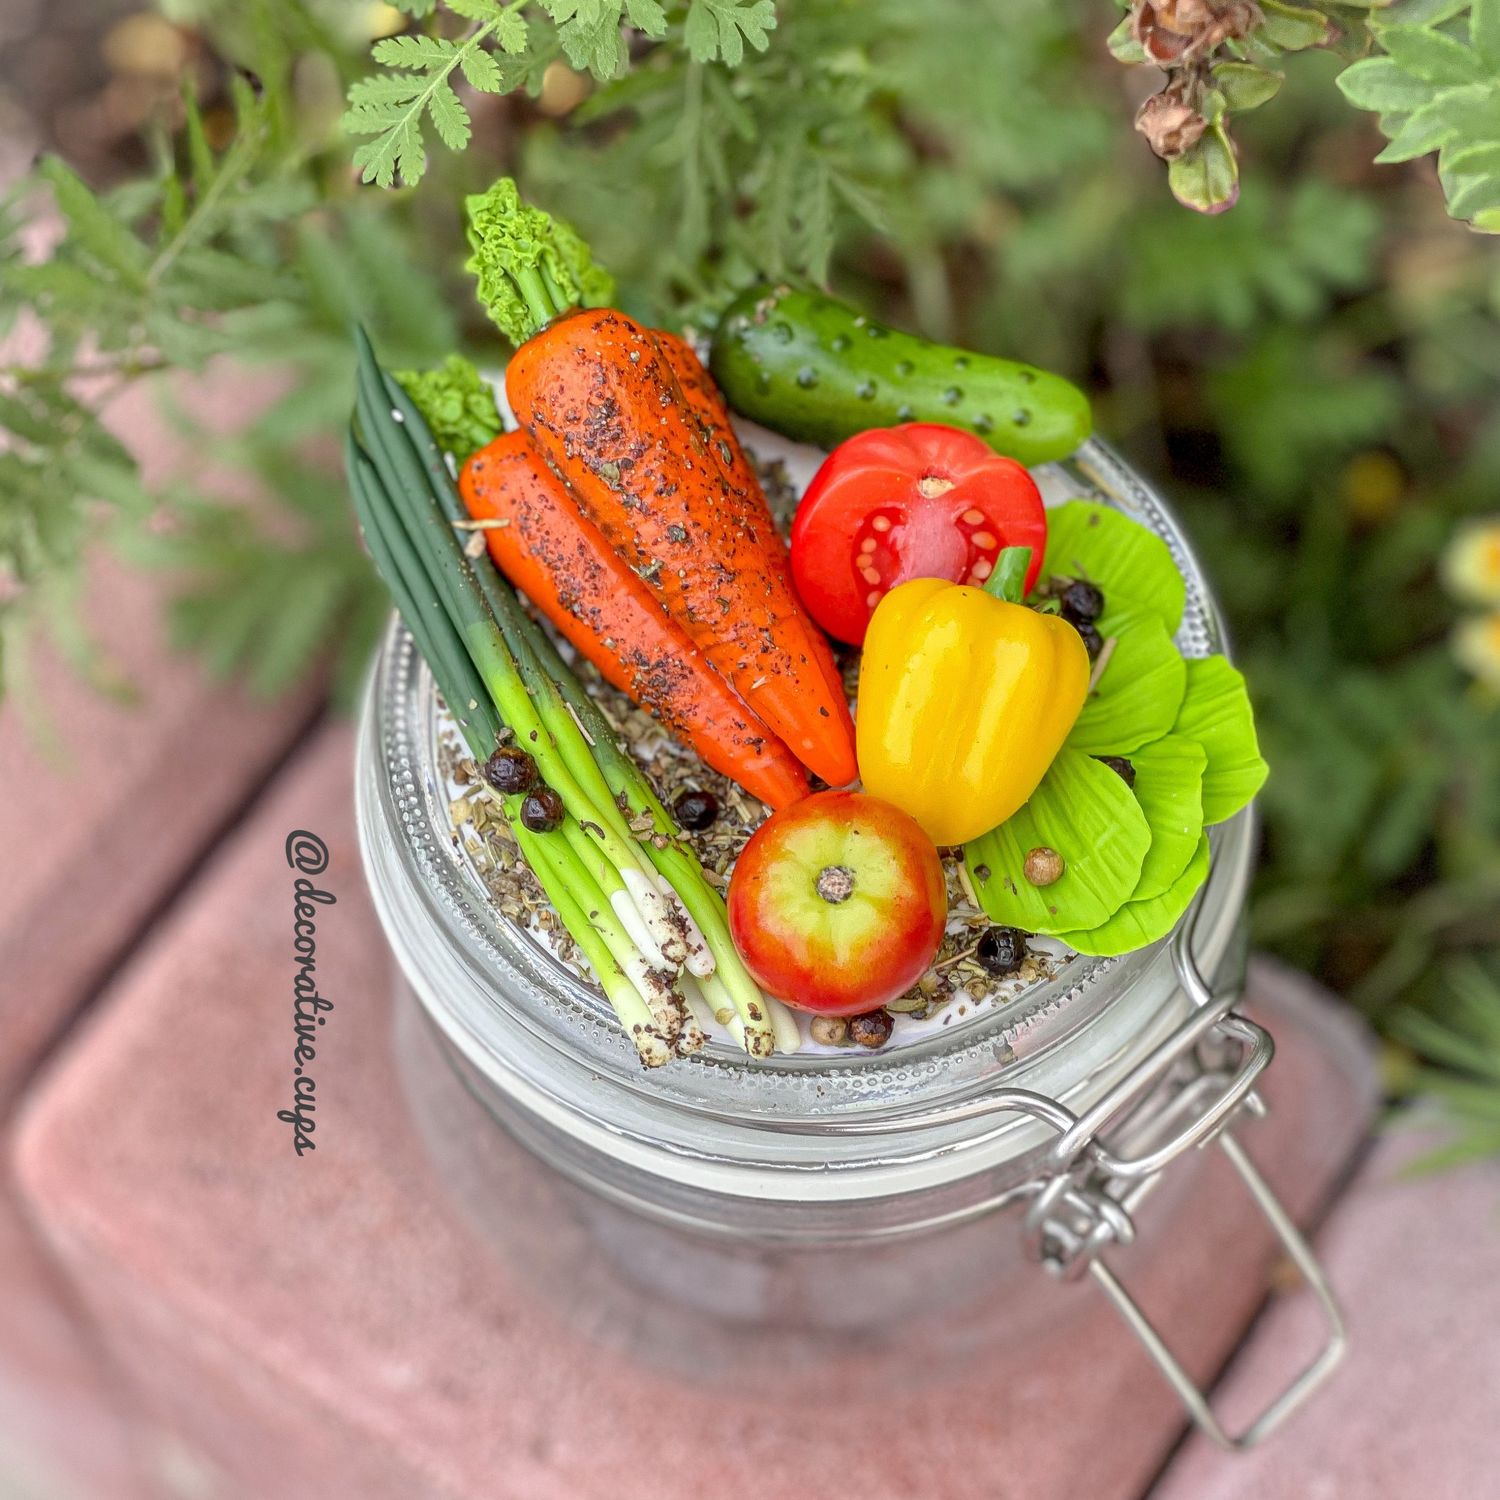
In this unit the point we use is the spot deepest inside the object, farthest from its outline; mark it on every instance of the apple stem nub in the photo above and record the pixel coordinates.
(835, 884)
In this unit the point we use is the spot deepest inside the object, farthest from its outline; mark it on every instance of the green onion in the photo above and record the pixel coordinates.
(646, 920)
(529, 705)
(765, 1023)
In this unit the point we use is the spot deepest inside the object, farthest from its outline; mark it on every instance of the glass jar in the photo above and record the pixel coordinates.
(832, 1195)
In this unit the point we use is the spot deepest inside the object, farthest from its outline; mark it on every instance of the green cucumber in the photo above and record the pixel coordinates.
(815, 369)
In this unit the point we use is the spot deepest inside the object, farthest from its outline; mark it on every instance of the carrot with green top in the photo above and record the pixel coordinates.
(659, 473)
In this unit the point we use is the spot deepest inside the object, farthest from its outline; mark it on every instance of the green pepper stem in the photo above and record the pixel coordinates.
(1007, 581)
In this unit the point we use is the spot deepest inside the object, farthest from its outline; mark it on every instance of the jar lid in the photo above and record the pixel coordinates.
(528, 1023)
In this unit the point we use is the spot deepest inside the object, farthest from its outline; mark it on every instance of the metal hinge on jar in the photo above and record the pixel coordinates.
(1182, 1096)
(1105, 1161)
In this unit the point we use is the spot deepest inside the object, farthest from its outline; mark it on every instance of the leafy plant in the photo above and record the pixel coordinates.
(222, 253)
(1435, 86)
(508, 45)
(1463, 1068)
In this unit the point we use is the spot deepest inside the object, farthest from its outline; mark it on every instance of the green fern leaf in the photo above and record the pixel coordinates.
(719, 29)
(449, 116)
(512, 35)
(416, 52)
(1431, 56)
(382, 89)
(94, 229)
(481, 71)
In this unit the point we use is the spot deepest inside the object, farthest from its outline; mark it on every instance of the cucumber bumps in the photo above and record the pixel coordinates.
(814, 368)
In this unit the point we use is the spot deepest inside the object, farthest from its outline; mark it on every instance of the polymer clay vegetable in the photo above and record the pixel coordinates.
(838, 904)
(1163, 749)
(640, 910)
(814, 368)
(657, 473)
(563, 564)
(896, 503)
(965, 698)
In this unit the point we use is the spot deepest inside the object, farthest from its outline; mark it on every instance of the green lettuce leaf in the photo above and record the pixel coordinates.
(1138, 923)
(1169, 789)
(1137, 698)
(1131, 565)
(1087, 813)
(1215, 711)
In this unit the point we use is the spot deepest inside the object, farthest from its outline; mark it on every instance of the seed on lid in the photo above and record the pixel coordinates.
(985, 539)
(881, 523)
(869, 575)
(973, 517)
(982, 569)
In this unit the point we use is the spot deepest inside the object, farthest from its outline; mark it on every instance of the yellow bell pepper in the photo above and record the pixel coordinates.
(964, 701)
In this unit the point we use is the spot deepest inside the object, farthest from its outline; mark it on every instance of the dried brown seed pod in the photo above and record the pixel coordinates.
(1170, 125)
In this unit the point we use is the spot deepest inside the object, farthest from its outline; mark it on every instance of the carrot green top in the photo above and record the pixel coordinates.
(456, 403)
(531, 267)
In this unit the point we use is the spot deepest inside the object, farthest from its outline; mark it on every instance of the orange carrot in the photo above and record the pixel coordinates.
(562, 564)
(668, 487)
(712, 410)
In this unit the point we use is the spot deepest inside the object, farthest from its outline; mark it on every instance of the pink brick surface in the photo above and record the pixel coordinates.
(1415, 1412)
(105, 806)
(65, 1427)
(98, 826)
(331, 1326)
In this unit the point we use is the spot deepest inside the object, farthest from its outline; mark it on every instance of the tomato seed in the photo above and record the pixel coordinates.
(982, 569)
(984, 539)
(972, 517)
(869, 575)
(872, 598)
(883, 523)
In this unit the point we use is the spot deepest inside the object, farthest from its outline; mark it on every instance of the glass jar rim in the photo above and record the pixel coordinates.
(528, 1021)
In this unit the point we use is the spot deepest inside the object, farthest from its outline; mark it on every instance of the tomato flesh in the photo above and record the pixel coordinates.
(897, 503)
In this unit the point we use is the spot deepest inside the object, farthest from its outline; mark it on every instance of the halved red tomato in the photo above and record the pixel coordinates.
(896, 503)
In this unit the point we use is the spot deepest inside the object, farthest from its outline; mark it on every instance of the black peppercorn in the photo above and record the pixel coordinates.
(1001, 950)
(1081, 602)
(542, 811)
(1120, 766)
(696, 810)
(872, 1029)
(1092, 640)
(510, 770)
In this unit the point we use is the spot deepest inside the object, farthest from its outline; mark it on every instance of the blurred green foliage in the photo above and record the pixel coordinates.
(1314, 377)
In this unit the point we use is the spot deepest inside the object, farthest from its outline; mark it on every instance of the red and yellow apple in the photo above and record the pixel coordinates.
(837, 903)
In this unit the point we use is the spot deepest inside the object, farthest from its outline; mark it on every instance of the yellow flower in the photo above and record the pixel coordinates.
(1471, 564)
(1476, 643)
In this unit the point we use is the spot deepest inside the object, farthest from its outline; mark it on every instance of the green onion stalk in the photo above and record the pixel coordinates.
(528, 704)
(756, 1022)
(645, 919)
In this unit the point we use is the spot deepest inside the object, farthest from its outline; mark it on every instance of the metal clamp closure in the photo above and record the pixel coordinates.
(1103, 1163)
(1182, 1097)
